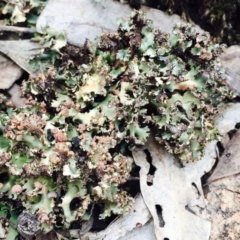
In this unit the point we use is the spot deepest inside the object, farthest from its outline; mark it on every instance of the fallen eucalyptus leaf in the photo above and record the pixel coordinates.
(232, 79)
(138, 216)
(20, 52)
(173, 192)
(223, 194)
(230, 60)
(227, 117)
(226, 120)
(142, 232)
(229, 163)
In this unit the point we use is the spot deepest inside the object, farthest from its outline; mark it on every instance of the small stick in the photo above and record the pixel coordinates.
(133, 178)
(17, 29)
(10, 223)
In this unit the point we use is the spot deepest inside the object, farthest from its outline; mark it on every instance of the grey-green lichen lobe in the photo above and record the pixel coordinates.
(26, 11)
(71, 145)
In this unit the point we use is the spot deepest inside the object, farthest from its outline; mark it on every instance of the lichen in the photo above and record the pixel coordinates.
(21, 11)
(92, 105)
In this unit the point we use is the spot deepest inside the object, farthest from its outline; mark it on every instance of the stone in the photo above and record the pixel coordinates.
(88, 19)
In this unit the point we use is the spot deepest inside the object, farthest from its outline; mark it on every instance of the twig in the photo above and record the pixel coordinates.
(17, 29)
(10, 223)
(133, 179)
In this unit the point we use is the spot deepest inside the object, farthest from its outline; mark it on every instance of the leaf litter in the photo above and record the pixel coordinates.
(184, 189)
